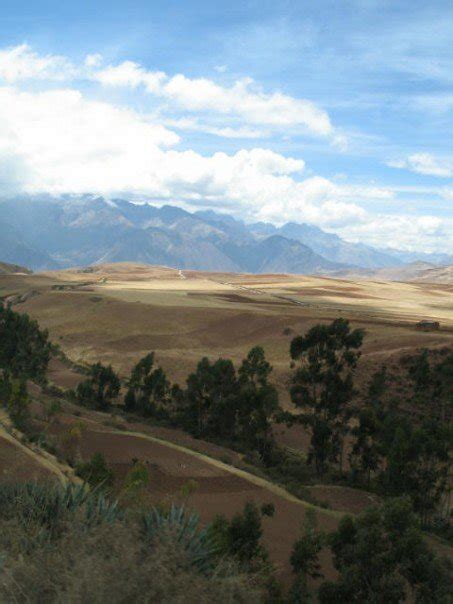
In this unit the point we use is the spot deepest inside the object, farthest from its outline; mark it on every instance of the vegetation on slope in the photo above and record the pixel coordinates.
(77, 533)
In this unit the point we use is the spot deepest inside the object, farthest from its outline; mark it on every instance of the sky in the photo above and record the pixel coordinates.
(331, 112)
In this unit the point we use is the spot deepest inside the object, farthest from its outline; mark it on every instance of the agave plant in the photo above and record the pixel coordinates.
(43, 508)
(185, 528)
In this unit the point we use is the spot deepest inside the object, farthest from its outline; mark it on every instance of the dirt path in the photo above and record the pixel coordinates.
(39, 456)
(251, 478)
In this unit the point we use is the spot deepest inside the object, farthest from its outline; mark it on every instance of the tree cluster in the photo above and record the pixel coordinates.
(382, 556)
(25, 349)
(218, 401)
(402, 455)
(322, 387)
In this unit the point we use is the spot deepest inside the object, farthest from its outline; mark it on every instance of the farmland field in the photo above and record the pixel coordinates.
(118, 313)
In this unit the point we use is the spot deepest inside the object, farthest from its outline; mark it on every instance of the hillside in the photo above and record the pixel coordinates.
(12, 269)
(436, 274)
(415, 271)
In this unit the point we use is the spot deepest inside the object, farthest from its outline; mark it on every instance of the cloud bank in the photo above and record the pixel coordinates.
(57, 137)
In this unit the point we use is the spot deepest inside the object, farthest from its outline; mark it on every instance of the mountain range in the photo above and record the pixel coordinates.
(46, 233)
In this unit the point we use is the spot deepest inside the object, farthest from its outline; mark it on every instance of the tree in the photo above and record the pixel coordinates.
(381, 556)
(96, 472)
(442, 395)
(432, 383)
(100, 389)
(257, 403)
(305, 558)
(135, 486)
(24, 348)
(367, 451)
(148, 389)
(241, 536)
(420, 373)
(417, 462)
(19, 406)
(322, 385)
(211, 397)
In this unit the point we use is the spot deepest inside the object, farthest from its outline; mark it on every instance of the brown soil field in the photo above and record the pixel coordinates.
(133, 309)
(219, 488)
(16, 464)
(128, 310)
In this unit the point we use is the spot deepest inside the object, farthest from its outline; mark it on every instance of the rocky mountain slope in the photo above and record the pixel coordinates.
(47, 233)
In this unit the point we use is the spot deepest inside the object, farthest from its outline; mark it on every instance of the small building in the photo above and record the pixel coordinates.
(428, 325)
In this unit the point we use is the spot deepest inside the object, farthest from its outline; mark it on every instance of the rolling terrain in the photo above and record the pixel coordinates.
(116, 313)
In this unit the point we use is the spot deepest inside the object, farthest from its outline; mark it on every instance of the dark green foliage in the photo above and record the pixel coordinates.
(417, 463)
(305, 554)
(234, 406)
(420, 373)
(100, 389)
(257, 403)
(322, 386)
(432, 384)
(367, 452)
(241, 536)
(305, 558)
(18, 406)
(403, 455)
(96, 473)
(44, 509)
(24, 348)
(268, 509)
(148, 391)
(211, 398)
(381, 556)
(184, 528)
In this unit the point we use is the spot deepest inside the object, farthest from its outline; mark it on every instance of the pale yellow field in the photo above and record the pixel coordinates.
(120, 312)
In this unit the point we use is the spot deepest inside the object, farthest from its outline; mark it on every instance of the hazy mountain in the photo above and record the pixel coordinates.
(45, 233)
(329, 245)
(438, 274)
(409, 257)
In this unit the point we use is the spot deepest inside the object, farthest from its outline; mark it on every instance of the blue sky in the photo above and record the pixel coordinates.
(336, 113)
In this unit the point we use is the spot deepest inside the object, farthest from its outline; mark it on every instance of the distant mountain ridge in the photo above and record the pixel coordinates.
(47, 233)
(13, 269)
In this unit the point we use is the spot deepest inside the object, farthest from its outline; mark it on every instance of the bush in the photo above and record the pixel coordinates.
(96, 473)
(48, 555)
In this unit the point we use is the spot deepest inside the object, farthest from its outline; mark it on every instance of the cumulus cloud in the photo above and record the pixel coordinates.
(243, 101)
(425, 163)
(422, 233)
(22, 63)
(59, 140)
(244, 98)
(62, 142)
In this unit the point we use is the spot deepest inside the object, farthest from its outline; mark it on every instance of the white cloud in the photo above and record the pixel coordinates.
(425, 163)
(196, 125)
(63, 142)
(244, 98)
(244, 101)
(93, 60)
(21, 63)
(60, 141)
(421, 233)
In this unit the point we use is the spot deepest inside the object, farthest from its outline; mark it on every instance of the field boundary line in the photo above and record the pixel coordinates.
(248, 476)
(43, 458)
